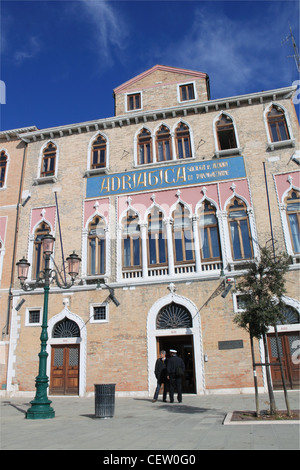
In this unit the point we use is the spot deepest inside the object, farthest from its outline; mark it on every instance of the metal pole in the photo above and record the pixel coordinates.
(61, 243)
(40, 406)
(254, 376)
(268, 200)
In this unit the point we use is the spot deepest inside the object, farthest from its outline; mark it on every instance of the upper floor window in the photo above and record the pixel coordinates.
(239, 229)
(145, 147)
(3, 167)
(38, 259)
(182, 236)
(98, 153)
(131, 238)
(183, 141)
(226, 133)
(134, 101)
(96, 247)
(187, 92)
(209, 233)
(48, 160)
(277, 124)
(163, 144)
(157, 240)
(293, 216)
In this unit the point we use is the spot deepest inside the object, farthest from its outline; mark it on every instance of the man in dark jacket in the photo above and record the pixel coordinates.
(161, 376)
(175, 372)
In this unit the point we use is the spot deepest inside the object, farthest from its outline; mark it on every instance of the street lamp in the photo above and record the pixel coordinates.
(40, 406)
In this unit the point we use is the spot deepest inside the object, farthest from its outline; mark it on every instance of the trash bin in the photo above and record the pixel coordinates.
(104, 400)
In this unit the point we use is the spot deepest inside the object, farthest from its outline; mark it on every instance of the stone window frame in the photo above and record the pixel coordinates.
(291, 142)
(94, 171)
(84, 263)
(52, 178)
(127, 96)
(173, 144)
(27, 316)
(186, 84)
(226, 152)
(91, 311)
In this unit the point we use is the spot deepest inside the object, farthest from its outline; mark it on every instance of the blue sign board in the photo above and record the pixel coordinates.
(152, 179)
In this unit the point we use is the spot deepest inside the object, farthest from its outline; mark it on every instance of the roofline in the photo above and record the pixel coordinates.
(165, 68)
(16, 132)
(143, 116)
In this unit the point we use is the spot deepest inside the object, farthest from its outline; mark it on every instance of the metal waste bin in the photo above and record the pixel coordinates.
(104, 400)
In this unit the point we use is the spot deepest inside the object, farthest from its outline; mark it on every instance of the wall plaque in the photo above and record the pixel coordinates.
(234, 344)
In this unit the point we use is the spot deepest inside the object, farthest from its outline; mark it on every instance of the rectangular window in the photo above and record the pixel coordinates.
(99, 313)
(134, 102)
(33, 317)
(187, 92)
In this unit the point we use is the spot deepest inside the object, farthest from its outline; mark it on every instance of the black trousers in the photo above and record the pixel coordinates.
(176, 382)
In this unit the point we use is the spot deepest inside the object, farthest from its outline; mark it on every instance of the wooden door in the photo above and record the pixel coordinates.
(64, 378)
(289, 349)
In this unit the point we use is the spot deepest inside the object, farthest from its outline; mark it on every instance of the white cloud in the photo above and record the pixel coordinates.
(29, 50)
(108, 27)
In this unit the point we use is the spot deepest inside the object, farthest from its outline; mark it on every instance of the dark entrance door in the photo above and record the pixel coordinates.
(64, 378)
(184, 346)
(289, 348)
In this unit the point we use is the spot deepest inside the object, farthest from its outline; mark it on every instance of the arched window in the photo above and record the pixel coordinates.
(239, 229)
(98, 153)
(144, 147)
(293, 216)
(38, 259)
(163, 144)
(48, 160)
(131, 238)
(226, 133)
(182, 236)
(209, 233)
(291, 315)
(183, 141)
(277, 124)
(96, 247)
(157, 240)
(173, 316)
(66, 329)
(3, 167)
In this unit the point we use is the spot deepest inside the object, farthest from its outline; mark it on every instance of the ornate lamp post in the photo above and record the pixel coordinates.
(40, 406)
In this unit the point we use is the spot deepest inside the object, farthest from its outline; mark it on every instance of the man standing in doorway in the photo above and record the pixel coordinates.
(161, 376)
(175, 372)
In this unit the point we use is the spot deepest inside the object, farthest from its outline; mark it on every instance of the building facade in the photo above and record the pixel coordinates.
(12, 167)
(165, 203)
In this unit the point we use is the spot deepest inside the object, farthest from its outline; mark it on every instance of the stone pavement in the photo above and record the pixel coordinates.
(139, 424)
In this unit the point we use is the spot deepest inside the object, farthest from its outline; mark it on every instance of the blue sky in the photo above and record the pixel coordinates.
(61, 60)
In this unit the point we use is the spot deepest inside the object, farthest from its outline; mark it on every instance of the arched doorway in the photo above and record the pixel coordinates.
(176, 316)
(174, 323)
(64, 375)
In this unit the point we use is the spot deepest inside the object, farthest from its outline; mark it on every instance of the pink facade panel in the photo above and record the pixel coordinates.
(46, 214)
(96, 206)
(285, 181)
(218, 193)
